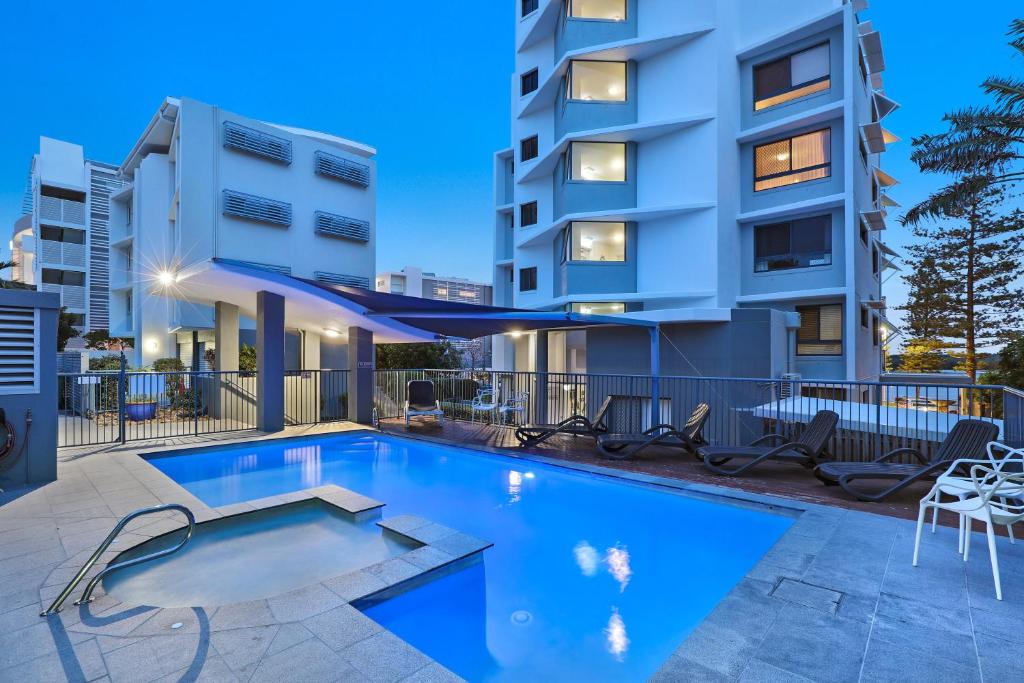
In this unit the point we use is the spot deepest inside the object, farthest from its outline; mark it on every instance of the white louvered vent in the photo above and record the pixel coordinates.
(343, 169)
(257, 208)
(19, 355)
(253, 141)
(333, 225)
(345, 280)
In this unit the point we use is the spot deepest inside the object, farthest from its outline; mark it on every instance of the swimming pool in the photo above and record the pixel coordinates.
(590, 577)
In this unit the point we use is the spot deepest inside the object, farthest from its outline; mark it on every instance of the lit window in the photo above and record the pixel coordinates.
(792, 77)
(821, 330)
(597, 161)
(793, 160)
(597, 81)
(608, 10)
(590, 241)
(793, 244)
(599, 308)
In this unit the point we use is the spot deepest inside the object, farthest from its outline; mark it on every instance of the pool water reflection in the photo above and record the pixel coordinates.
(590, 578)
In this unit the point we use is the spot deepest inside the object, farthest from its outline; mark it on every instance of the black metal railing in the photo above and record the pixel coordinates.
(875, 417)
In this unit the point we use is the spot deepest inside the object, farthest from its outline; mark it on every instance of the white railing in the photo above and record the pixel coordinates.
(62, 253)
(63, 210)
(72, 296)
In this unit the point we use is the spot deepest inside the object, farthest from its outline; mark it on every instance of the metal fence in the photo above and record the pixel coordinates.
(874, 417)
(115, 407)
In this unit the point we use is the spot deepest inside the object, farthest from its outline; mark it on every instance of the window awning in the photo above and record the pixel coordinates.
(874, 220)
(871, 45)
(884, 179)
(886, 200)
(876, 137)
(885, 105)
(393, 318)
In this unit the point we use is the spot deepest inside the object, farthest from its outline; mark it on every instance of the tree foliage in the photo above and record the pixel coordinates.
(65, 328)
(1010, 370)
(434, 355)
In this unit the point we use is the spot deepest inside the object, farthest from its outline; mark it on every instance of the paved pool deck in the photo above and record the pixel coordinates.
(836, 599)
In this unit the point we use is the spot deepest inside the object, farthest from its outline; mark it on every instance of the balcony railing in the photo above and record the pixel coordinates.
(62, 210)
(72, 296)
(62, 253)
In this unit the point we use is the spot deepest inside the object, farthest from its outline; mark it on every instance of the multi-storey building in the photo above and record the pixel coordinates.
(61, 242)
(412, 281)
(204, 183)
(713, 165)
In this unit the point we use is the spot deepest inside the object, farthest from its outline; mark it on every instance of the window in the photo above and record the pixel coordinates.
(598, 308)
(597, 81)
(67, 235)
(607, 10)
(874, 261)
(77, 319)
(864, 233)
(864, 154)
(794, 244)
(260, 209)
(792, 77)
(876, 330)
(793, 160)
(527, 214)
(52, 276)
(865, 315)
(597, 161)
(343, 227)
(821, 330)
(529, 82)
(530, 6)
(340, 168)
(245, 139)
(591, 241)
(527, 279)
(528, 148)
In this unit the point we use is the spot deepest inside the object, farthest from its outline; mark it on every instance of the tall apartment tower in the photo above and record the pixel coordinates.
(61, 243)
(710, 164)
(204, 183)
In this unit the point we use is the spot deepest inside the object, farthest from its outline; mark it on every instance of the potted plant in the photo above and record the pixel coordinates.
(139, 407)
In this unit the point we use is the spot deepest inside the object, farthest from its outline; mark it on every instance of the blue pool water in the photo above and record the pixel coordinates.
(590, 577)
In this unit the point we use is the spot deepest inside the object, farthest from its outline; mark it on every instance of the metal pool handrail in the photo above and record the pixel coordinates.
(55, 606)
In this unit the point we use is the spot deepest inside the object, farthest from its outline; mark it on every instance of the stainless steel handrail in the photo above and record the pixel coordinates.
(55, 606)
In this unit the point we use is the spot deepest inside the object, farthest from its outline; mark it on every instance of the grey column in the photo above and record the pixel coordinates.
(225, 336)
(269, 362)
(360, 375)
(195, 351)
(655, 373)
(541, 366)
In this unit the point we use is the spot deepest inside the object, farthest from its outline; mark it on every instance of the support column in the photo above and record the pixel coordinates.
(269, 361)
(655, 372)
(311, 383)
(195, 351)
(360, 375)
(225, 323)
(541, 366)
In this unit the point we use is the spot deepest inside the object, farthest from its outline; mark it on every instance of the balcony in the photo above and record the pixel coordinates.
(52, 253)
(71, 296)
(62, 210)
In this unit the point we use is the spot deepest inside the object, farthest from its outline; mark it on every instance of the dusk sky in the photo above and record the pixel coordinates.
(427, 84)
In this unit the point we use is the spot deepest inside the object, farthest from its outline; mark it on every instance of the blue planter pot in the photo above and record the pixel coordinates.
(137, 412)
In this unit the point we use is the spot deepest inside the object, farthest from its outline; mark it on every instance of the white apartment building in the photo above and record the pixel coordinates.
(413, 281)
(61, 242)
(204, 183)
(710, 164)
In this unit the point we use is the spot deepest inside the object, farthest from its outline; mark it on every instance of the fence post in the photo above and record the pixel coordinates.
(195, 403)
(121, 391)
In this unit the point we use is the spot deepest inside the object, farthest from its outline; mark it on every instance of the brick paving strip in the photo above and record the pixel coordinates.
(834, 600)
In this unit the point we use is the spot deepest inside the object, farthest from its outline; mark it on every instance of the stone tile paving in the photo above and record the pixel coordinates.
(835, 600)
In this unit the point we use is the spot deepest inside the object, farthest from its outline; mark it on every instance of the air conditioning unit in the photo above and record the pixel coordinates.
(790, 386)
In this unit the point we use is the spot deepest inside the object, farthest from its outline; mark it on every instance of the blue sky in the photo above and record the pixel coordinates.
(426, 83)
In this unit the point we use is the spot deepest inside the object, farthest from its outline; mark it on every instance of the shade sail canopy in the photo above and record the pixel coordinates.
(393, 318)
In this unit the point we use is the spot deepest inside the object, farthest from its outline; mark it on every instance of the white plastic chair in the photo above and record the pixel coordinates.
(513, 406)
(485, 401)
(994, 502)
(953, 484)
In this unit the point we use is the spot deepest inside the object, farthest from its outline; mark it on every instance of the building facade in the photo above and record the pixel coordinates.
(412, 281)
(61, 242)
(203, 183)
(713, 165)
